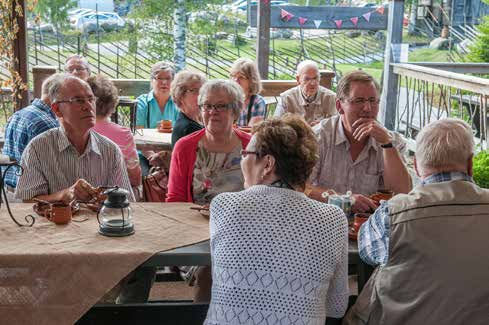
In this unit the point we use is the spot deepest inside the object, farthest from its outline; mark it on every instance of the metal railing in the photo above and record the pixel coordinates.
(426, 94)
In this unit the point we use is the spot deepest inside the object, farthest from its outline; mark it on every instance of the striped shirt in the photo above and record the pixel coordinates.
(51, 164)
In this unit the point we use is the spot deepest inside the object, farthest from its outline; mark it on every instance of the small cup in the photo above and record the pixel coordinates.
(166, 124)
(58, 213)
(359, 219)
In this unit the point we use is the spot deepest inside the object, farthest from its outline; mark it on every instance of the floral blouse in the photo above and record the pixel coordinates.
(216, 172)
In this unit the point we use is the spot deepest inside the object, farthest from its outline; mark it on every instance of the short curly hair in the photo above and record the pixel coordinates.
(249, 69)
(181, 82)
(106, 93)
(291, 141)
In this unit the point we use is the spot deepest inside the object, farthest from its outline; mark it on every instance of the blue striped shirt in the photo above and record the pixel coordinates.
(373, 237)
(21, 128)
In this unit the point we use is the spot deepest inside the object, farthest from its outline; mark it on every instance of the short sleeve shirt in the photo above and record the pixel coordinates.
(147, 104)
(258, 109)
(335, 168)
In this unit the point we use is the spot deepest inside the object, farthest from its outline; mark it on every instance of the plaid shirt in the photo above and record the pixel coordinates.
(21, 128)
(373, 237)
(258, 109)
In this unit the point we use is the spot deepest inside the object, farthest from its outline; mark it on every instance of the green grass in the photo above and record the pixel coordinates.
(428, 55)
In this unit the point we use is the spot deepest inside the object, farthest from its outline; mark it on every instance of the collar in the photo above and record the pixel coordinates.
(302, 98)
(151, 95)
(64, 143)
(446, 177)
(341, 137)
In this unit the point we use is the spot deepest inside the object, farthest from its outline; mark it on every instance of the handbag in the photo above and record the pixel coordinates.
(155, 185)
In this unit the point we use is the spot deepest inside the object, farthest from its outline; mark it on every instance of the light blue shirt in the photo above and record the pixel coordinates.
(155, 115)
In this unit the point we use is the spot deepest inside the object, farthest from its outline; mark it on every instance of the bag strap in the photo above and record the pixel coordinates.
(250, 105)
(148, 109)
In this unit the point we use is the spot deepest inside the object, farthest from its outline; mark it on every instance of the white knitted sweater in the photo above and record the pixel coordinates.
(278, 257)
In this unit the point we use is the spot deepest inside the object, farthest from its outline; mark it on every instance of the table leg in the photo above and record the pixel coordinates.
(137, 286)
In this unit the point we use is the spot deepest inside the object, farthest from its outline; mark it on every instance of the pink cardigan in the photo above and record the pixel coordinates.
(182, 165)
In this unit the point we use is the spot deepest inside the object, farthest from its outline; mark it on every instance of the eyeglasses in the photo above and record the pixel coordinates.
(360, 102)
(309, 80)
(238, 77)
(80, 101)
(216, 107)
(72, 69)
(192, 90)
(245, 153)
(163, 79)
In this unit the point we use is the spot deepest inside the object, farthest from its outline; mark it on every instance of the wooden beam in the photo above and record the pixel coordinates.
(262, 36)
(20, 51)
(327, 15)
(389, 90)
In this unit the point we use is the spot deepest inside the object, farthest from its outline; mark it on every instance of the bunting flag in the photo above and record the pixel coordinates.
(286, 15)
(380, 10)
(338, 23)
(265, 1)
(367, 16)
(317, 23)
(354, 20)
(302, 21)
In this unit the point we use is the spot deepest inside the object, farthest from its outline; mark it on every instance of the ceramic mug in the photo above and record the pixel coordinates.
(58, 213)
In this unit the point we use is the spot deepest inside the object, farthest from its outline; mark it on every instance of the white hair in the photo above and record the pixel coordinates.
(444, 145)
(306, 64)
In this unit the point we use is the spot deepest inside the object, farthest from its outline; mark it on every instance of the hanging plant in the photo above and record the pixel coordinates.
(9, 10)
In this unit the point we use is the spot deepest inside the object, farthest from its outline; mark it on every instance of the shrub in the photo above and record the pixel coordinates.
(481, 169)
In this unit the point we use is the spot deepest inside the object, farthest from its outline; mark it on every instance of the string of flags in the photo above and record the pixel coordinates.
(287, 16)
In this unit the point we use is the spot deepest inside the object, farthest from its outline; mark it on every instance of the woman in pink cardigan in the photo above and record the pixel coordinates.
(207, 162)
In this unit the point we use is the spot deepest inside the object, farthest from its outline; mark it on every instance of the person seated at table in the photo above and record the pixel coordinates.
(308, 98)
(357, 153)
(245, 72)
(276, 254)
(68, 162)
(157, 105)
(26, 124)
(425, 275)
(78, 66)
(185, 91)
(206, 163)
(107, 98)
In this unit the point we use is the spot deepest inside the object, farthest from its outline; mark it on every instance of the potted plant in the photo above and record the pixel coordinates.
(481, 169)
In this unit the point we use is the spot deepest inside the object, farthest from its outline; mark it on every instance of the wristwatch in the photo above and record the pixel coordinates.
(387, 145)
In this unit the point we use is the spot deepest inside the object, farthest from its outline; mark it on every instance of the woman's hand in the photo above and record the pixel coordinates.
(159, 159)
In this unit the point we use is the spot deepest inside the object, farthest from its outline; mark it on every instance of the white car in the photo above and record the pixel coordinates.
(110, 20)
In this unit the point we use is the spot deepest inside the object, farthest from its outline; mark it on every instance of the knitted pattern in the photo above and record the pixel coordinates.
(278, 257)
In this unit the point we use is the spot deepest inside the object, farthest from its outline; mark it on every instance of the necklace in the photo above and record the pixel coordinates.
(281, 184)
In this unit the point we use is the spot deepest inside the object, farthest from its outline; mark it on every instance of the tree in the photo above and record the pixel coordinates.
(55, 11)
(479, 51)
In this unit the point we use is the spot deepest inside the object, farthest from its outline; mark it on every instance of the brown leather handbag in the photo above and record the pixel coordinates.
(155, 185)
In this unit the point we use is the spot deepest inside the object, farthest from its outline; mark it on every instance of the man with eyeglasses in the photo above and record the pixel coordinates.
(67, 163)
(357, 153)
(26, 124)
(308, 99)
(78, 66)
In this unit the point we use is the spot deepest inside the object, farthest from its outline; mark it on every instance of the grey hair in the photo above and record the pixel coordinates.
(306, 64)
(82, 59)
(230, 87)
(444, 144)
(47, 84)
(182, 79)
(58, 82)
(162, 66)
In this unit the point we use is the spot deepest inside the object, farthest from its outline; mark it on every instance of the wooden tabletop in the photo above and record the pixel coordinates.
(151, 139)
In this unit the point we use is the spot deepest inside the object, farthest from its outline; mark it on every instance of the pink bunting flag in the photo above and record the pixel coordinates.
(302, 21)
(367, 16)
(286, 15)
(265, 1)
(380, 10)
(354, 20)
(338, 23)
(317, 23)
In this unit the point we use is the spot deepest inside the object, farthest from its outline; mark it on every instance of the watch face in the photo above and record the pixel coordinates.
(387, 145)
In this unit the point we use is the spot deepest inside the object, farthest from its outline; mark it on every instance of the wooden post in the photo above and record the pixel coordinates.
(389, 90)
(20, 50)
(263, 37)
(39, 74)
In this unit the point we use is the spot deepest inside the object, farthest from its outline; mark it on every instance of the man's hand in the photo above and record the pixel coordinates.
(82, 190)
(363, 204)
(365, 127)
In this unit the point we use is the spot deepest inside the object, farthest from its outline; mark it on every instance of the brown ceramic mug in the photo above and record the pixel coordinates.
(359, 219)
(59, 213)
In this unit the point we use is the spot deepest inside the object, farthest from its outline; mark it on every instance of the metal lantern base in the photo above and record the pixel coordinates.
(114, 229)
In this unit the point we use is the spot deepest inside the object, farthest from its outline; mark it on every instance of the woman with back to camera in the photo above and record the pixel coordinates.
(245, 73)
(276, 254)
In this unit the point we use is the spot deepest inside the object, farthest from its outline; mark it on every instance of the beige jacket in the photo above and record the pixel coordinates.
(291, 101)
(437, 271)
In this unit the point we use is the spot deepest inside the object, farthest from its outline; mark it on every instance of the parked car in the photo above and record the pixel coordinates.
(41, 27)
(274, 32)
(79, 12)
(243, 6)
(107, 20)
(211, 16)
